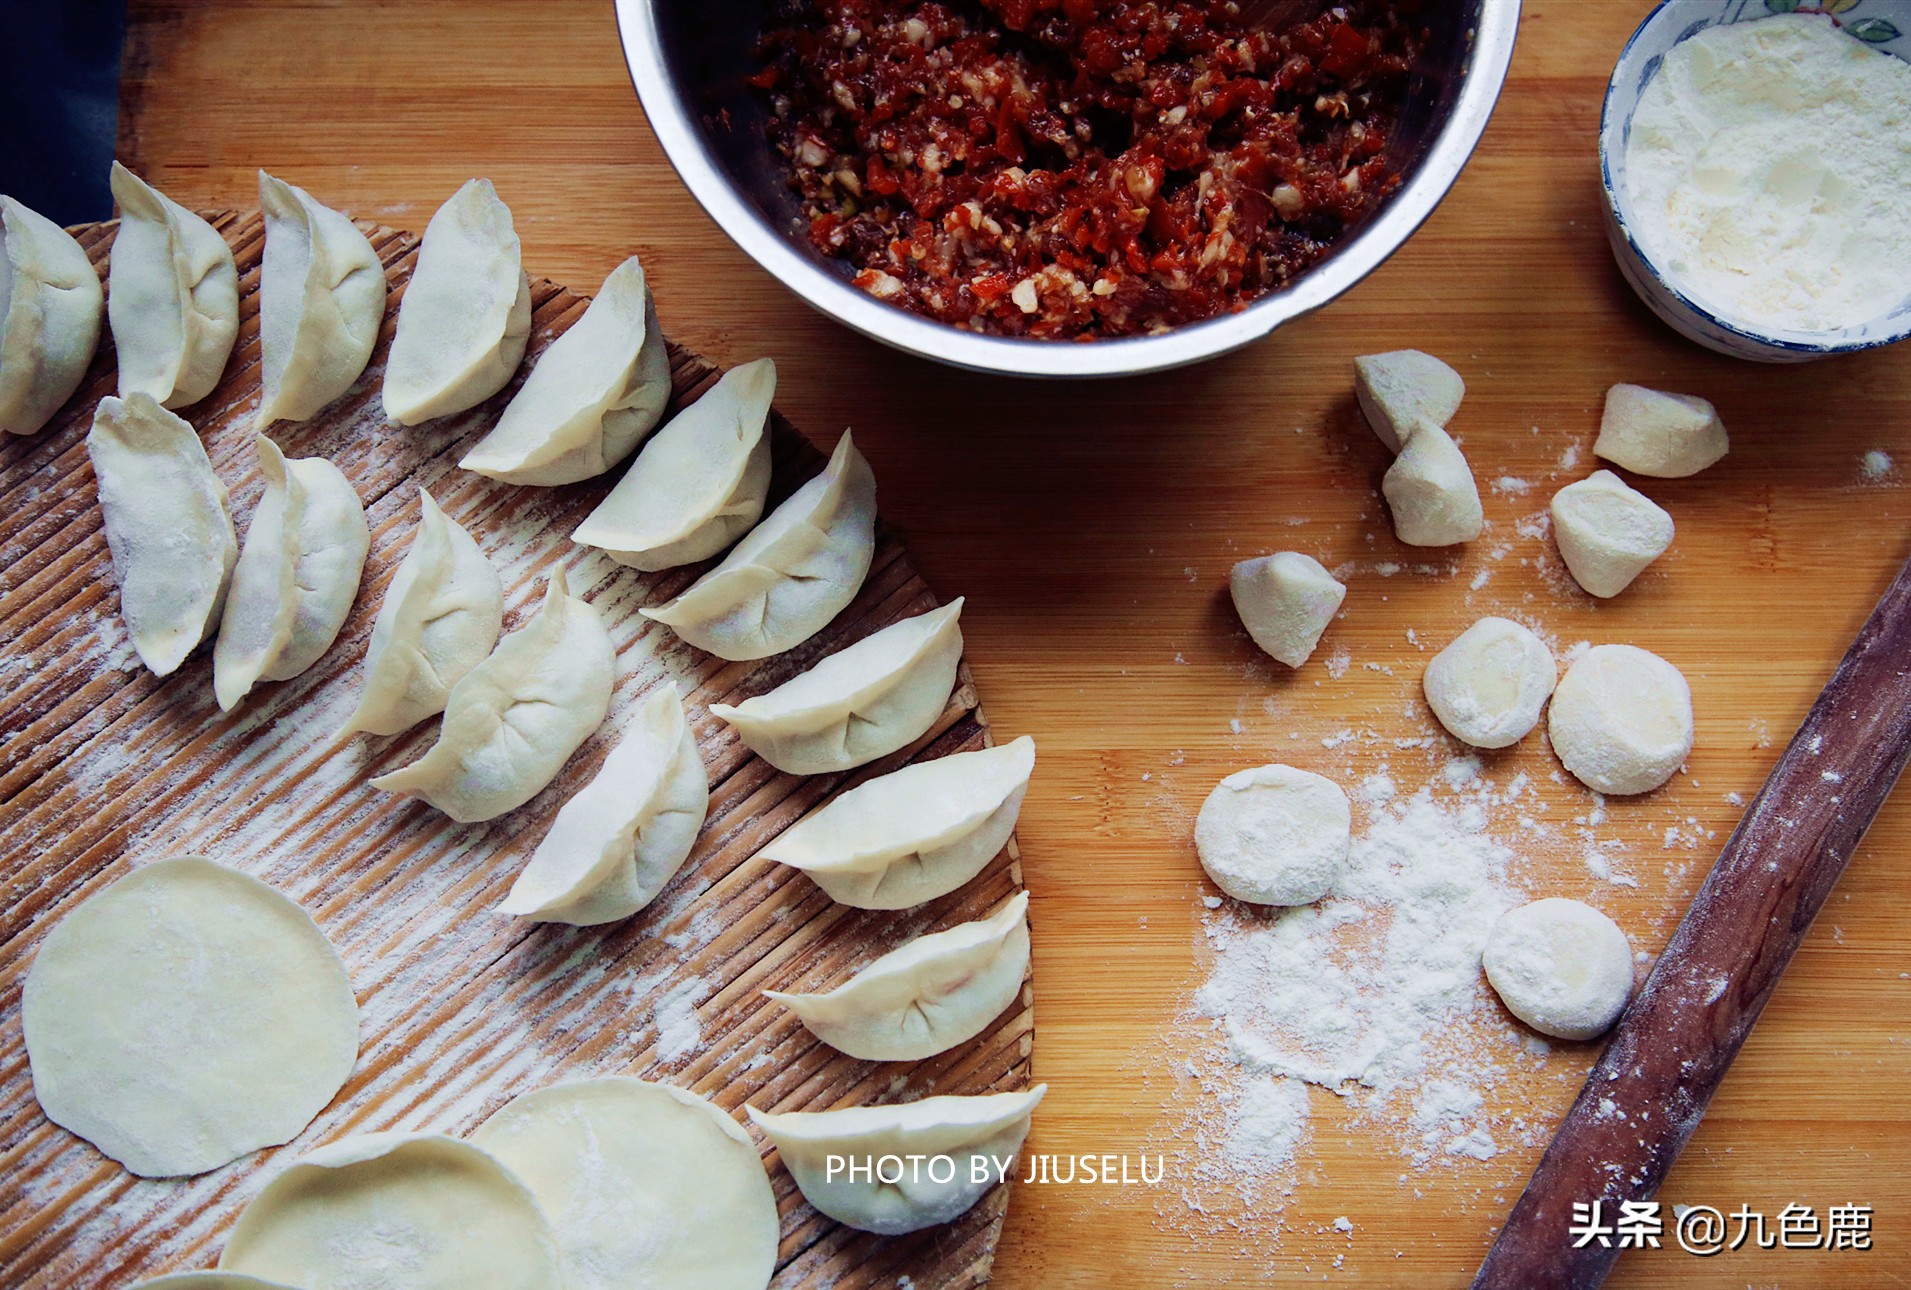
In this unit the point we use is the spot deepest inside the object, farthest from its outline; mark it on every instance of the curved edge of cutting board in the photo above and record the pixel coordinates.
(102, 764)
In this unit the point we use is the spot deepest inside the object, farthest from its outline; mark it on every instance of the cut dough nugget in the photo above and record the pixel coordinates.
(1285, 601)
(1398, 389)
(1608, 532)
(1621, 720)
(1560, 966)
(1274, 835)
(186, 1015)
(1431, 490)
(1654, 433)
(1488, 686)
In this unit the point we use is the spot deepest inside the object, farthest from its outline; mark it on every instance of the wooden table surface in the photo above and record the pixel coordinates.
(1092, 528)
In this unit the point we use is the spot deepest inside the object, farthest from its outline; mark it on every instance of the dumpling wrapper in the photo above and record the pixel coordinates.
(616, 843)
(972, 1131)
(174, 304)
(516, 718)
(296, 578)
(646, 1186)
(321, 301)
(914, 834)
(860, 703)
(698, 485)
(596, 393)
(166, 524)
(926, 996)
(50, 307)
(466, 314)
(440, 618)
(416, 1210)
(213, 1280)
(185, 1016)
(791, 574)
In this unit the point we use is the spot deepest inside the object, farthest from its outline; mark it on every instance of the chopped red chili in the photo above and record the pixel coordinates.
(1075, 169)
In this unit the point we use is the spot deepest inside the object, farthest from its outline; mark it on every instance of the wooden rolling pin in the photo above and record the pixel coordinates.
(1675, 1041)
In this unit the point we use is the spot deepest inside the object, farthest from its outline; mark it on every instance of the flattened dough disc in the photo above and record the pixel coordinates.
(416, 1211)
(649, 1187)
(185, 1016)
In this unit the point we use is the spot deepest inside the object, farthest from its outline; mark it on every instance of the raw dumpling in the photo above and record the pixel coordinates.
(296, 578)
(648, 1187)
(793, 572)
(616, 843)
(514, 721)
(208, 1281)
(321, 300)
(175, 299)
(466, 315)
(595, 394)
(187, 1015)
(933, 993)
(413, 1210)
(50, 304)
(166, 525)
(440, 618)
(859, 703)
(913, 834)
(832, 1154)
(698, 485)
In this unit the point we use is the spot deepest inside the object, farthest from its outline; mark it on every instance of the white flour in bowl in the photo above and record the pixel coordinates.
(1768, 172)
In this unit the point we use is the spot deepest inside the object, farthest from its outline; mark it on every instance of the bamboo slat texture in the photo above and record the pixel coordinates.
(101, 764)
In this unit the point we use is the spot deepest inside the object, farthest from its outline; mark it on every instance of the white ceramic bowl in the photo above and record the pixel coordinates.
(1882, 24)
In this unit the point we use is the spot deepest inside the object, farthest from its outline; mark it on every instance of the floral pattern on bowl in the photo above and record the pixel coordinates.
(1882, 24)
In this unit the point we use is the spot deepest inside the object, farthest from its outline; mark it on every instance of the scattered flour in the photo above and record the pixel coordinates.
(1876, 466)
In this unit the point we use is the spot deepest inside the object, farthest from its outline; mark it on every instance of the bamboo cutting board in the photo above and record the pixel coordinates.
(102, 765)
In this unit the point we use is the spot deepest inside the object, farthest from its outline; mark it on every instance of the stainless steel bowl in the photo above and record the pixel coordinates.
(689, 59)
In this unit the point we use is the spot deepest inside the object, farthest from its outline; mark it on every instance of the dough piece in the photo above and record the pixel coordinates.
(858, 704)
(412, 1210)
(1608, 532)
(296, 578)
(791, 574)
(616, 843)
(185, 1016)
(1431, 490)
(646, 1186)
(466, 314)
(440, 617)
(175, 299)
(1621, 720)
(50, 306)
(596, 393)
(516, 718)
(209, 1281)
(166, 525)
(1274, 835)
(1488, 686)
(1285, 601)
(698, 485)
(321, 300)
(926, 997)
(1668, 436)
(1401, 388)
(979, 1134)
(1560, 966)
(914, 834)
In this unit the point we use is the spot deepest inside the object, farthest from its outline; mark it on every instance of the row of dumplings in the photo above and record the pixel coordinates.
(516, 710)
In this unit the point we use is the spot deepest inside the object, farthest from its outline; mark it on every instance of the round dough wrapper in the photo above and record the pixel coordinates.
(1621, 720)
(213, 1280)
(646, 1185)
(1274, 835)
(187, 1015)
(1488, 686)
(1560, 966)
(413, 1210)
